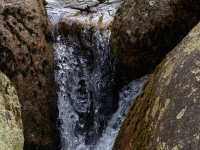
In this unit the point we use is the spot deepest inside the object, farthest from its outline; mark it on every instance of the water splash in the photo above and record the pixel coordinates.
(85, 88)
(127, 96)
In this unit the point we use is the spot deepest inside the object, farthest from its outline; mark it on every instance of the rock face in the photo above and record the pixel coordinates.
(28, 61)
(11, 130)
(166, 116)
(145, 30)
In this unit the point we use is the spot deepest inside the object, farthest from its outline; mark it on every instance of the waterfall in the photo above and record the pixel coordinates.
(91, 108)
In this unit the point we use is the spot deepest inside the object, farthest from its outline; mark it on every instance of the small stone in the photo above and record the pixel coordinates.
(152, 3)
(181, 113)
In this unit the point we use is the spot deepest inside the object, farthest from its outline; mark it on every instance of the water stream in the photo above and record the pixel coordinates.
(91, 107)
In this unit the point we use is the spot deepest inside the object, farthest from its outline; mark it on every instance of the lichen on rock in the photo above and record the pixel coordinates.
(11, 129)
(166, 116)
(27, 60)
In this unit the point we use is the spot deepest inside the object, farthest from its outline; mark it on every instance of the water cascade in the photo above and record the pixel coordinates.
(91, 107)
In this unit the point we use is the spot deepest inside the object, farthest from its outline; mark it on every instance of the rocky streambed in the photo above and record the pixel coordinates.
(69, 69)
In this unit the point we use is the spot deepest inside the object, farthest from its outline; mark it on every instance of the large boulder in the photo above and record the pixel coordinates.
(166, 115)
(11, 129)
(145, 30)
(27, 60)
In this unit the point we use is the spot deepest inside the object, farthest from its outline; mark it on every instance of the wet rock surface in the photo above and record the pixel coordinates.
(145, 30)
(11, 129)
(85, 75)
(27, 59)
(85, 70)
(89, 13)
(166, 116)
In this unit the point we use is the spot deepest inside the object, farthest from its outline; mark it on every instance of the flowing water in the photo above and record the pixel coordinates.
(91, 107)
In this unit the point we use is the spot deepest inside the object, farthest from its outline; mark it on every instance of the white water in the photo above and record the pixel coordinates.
(72, 67)
(127, 96)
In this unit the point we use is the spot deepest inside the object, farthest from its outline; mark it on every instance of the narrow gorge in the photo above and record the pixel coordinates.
(99, 74)
(91, 106)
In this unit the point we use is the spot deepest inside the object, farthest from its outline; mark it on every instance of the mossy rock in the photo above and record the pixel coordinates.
(11, 130)
(166, 115)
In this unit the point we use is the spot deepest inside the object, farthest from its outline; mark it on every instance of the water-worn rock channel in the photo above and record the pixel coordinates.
(91, 107)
